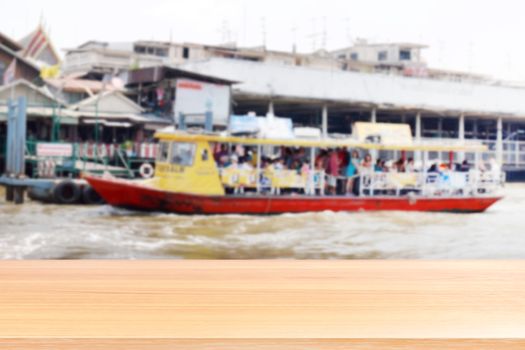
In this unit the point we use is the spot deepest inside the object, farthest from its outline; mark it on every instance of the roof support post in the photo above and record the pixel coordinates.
(373, 119)
(324, 122)
(418, 127)
(270, 108)
(461, 135)
(499, 141)
(417, 154)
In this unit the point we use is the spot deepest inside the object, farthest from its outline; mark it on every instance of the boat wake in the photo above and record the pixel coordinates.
(36, 231)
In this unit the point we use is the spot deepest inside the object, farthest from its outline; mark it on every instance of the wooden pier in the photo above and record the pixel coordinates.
(262, 305)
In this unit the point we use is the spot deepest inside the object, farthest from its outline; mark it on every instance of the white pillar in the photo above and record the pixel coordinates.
(270, 108)
(417, 154)
(373, 116)
(418, 127)
(325, 121)
(461, 127)
(461, 135)
(499, 141)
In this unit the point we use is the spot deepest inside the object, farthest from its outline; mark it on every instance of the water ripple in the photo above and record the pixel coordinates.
(36, 231)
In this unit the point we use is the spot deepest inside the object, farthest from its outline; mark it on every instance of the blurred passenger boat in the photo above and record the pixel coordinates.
(190, 179)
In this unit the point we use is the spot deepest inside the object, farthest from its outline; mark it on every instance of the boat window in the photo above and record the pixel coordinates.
(162, 156)
(182, 153)
(204, 156)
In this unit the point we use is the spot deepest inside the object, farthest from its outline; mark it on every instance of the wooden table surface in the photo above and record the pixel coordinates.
(261, 304)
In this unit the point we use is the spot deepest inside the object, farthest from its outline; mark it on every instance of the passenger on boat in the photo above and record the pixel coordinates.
(410, 166)
(234, 162)
(367, 165)
(400, 165)
(333, 172)
(465, 166)
(351, 171)
(220, 152)
(278, 164)
(434, 169)
(379, 167)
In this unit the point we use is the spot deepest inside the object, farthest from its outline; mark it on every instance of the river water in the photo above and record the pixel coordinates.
(37, 231)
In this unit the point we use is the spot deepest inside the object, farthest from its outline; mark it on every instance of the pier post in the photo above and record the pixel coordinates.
(18, 195)
(9, 193)
(461, 135)
(325, 121)
(499, 141)
(373, 116)
(16, 145)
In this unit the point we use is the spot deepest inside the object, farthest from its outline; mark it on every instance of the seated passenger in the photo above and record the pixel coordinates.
(434, 168)
(246, 166)
(305, 169)
(234, 162)
(465, 166)
(278, 164)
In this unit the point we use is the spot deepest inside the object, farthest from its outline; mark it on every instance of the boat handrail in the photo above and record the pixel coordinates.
(428, 184)
(432, 184)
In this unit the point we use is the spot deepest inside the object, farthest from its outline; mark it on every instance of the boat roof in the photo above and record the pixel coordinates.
(184, 136)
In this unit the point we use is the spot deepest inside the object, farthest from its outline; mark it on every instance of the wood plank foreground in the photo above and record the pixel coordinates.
(237, 304)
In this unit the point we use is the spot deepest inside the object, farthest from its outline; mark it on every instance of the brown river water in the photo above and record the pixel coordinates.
(38, 231)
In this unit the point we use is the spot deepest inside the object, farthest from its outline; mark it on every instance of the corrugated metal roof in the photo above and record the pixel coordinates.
(363, 88)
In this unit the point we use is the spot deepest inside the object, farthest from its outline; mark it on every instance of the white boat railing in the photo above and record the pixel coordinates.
(435, 184)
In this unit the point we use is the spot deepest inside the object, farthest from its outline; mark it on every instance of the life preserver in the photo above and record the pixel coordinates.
(146, 170)
(66, 192)
(90, 196)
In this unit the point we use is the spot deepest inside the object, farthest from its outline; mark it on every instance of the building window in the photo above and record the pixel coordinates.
(405, 55)
(354, 56)
(185, 52)
(140, 49)
(161, 52)
(382, 56)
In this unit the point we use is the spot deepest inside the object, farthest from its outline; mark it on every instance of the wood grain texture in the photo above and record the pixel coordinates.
(239, 300)
(261, 344)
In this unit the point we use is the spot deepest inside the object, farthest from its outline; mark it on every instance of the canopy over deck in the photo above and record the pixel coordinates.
(182, 136)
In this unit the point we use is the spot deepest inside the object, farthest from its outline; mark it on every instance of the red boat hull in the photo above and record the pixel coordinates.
(126, 194)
